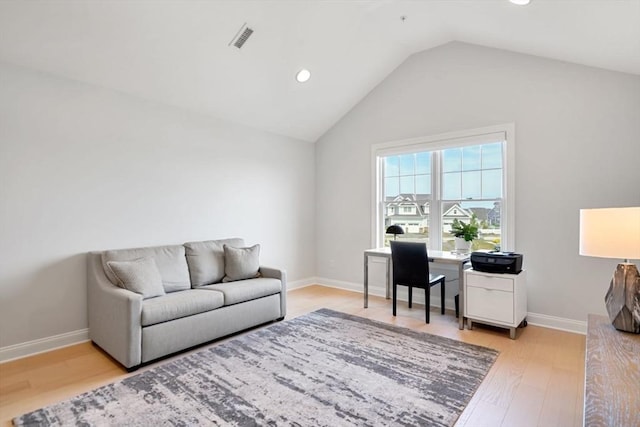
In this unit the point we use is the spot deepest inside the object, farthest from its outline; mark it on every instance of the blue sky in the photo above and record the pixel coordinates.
(468, 173)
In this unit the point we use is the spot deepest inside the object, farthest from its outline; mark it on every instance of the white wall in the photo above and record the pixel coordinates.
(577, 146)
(84, 168)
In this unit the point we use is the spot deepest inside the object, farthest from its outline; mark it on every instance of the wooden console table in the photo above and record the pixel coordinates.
(612, 377)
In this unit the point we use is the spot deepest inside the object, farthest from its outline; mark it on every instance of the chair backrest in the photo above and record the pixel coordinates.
(410, 264)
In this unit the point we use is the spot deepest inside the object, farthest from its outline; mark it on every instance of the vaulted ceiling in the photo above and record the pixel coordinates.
(178, 53)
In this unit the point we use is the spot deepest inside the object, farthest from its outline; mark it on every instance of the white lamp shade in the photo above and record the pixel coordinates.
(610, 232)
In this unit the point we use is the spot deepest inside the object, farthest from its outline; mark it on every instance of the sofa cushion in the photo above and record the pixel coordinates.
(140, 276)
(170, 260)
(246, 290)
(179, 304)
(206, 260)
(241, 263)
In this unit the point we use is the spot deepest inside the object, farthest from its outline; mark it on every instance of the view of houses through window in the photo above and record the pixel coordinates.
(424, 192)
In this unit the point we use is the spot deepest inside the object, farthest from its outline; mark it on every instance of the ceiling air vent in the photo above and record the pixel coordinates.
(241, 36)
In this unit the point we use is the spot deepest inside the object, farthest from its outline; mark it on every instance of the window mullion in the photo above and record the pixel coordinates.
(435, 210)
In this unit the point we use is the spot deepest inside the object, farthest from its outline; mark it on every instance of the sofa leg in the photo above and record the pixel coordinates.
(280, 319)
(133, 368)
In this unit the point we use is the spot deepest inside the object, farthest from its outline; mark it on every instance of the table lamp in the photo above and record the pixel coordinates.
(615, 233)
(395, 230)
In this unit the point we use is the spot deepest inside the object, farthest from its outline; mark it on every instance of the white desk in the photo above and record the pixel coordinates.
(441, 257)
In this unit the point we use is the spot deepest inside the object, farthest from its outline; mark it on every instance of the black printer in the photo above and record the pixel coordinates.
(497, 262)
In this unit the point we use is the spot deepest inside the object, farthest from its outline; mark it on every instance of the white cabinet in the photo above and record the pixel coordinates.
(495, 299)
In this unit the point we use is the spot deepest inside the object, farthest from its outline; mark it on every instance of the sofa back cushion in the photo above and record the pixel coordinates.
(170, 260)
(206, 260)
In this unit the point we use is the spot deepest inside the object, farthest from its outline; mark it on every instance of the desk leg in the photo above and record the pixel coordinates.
(366, 280)
(461, 293)
(389, 278)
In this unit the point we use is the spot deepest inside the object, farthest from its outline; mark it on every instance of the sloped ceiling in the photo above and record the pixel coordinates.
(178, 53)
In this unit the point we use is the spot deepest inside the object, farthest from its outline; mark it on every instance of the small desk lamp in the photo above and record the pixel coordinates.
(395, 230)
(615, 233)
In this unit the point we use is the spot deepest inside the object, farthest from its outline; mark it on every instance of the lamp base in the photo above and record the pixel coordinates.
(623, 298)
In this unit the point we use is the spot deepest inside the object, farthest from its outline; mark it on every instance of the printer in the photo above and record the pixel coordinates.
(497, 262)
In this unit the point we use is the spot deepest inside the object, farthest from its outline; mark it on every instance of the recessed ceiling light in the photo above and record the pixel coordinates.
(303, 75)
(520, 2)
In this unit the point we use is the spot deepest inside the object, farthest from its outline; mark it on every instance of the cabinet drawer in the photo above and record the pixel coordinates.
(489, 304)
(489, 282)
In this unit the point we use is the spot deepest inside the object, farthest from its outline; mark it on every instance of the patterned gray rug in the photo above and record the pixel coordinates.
(322, 369)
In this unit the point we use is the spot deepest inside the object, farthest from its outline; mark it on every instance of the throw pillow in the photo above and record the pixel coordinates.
(241, 263)
(140, 276)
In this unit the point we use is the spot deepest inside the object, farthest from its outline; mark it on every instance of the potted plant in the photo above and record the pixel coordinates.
(464, 233)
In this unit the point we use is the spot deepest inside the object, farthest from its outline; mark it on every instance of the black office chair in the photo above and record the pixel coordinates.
(411, 268)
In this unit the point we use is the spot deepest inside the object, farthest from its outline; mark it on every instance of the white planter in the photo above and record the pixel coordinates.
(462, 245)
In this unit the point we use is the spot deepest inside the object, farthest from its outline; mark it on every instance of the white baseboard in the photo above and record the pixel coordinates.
(42, 345)
(302, 283)
(339, 284)
(418, 297)
(559, 323)
(543, 320)
(31, 348)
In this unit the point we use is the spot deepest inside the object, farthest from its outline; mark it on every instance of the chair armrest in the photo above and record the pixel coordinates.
(114, 315)
(276, 273)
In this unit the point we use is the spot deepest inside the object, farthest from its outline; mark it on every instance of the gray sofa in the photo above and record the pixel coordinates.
(200, 291)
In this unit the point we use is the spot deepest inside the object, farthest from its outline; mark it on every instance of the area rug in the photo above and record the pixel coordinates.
(325, 368)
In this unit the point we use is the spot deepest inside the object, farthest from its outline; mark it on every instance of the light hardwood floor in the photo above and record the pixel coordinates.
(538, 379)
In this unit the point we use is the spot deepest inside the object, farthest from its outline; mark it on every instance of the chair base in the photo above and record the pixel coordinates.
(456, 301)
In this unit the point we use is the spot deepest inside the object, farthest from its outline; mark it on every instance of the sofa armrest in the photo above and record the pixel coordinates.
(276, 273)
(273, 273)
(114, 315)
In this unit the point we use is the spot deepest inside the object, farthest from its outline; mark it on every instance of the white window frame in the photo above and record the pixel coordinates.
(439, 142)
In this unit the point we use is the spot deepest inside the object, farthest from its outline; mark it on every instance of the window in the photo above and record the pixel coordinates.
(434, 181)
